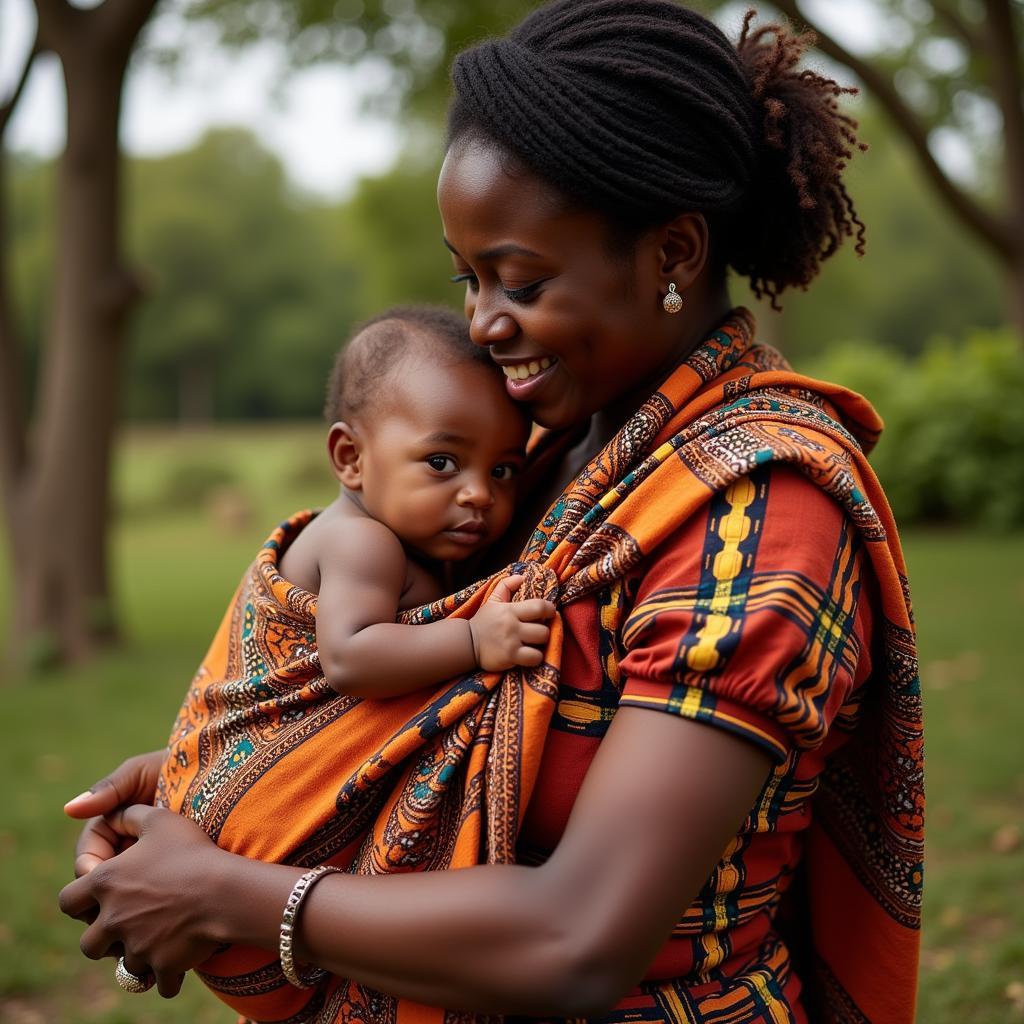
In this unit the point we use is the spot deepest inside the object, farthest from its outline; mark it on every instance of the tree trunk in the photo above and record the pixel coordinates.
(1016, 291)
(195, 393)
(61, 509)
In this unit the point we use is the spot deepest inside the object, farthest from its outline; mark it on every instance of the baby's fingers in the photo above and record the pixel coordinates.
(503, 592)
(529, 657)
(534, 609)
(533, 633)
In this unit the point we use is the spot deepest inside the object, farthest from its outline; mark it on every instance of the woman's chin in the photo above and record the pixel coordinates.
(558, 415)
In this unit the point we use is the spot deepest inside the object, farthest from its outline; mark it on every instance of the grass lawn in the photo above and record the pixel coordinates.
(186, 530)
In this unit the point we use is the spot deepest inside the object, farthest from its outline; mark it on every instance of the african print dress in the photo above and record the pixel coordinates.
(729, 557)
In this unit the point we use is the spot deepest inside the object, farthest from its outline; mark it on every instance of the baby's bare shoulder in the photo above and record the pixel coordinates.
(357, 545)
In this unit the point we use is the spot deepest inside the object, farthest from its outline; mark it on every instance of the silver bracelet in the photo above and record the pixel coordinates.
(291, 909)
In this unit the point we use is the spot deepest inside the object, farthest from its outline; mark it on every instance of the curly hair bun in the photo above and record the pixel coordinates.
(802, 210)
(643, 109)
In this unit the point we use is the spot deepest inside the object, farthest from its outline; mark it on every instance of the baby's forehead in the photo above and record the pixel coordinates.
(398, 350)
(448, 396)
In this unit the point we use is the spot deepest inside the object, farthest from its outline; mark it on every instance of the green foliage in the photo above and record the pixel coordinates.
(253, 288)
(189, 484)
(250, 292)
(417, 39)
(31, 212)
(953, 448)
(922, 274)
(397, 233)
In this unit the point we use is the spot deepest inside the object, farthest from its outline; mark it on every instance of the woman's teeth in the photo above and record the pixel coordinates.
(523, 371)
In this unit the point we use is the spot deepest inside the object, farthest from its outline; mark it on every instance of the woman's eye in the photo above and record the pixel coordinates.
(442, 464)
(506, 471)
(523, 294)
(467, 278)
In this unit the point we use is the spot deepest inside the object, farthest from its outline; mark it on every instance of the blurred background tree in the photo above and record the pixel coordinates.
(245, 276)
(56, 479)
(952, 71)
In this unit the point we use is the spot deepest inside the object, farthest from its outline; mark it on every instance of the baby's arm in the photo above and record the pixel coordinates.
(365, 653)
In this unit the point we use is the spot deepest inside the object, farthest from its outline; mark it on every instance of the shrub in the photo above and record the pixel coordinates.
(190, 484)
(953, 446)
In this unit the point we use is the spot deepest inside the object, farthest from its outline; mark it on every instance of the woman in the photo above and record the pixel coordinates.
(606, 161)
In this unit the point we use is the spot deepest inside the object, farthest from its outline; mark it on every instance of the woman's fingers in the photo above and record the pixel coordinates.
(133, 781)
(98, 842)
(168, 984)
(130, 821)
(137, 966)
(77, 899)
(97, 942)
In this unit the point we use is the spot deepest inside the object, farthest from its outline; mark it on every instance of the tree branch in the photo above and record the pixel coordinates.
(13, 451)
(991, 230)
(52, 17)
(120, 21)
(969, 33)
(7, 109)
(1004, 47)
(13, 448)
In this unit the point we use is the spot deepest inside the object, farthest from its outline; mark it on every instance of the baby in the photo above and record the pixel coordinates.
(427, 446)
(273, 753)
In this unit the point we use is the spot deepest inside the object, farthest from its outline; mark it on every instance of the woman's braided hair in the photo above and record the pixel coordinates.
(642, 109)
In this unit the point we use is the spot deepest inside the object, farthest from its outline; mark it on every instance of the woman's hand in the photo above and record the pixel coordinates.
(154, 900)
(132, 782)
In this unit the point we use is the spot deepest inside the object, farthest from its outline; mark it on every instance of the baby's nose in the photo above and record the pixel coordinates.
(477, 493)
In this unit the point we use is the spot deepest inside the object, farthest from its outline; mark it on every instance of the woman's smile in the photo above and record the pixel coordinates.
(525, 378)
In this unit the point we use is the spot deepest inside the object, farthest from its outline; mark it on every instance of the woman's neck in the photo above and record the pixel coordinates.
(705, 314)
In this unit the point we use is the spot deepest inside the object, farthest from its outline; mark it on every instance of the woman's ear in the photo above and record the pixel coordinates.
(344, 448)
(683, 251)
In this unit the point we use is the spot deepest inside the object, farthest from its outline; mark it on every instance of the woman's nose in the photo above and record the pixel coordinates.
(488, 325)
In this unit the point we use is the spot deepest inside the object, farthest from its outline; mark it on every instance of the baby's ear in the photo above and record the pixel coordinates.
(344, 448)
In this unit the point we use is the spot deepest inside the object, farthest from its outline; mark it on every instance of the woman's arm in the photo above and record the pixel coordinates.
(568, 938)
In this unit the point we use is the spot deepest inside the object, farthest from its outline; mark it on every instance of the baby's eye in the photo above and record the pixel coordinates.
(506, 471)
(442, 463)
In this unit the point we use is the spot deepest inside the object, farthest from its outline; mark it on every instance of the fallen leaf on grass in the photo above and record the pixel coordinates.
(51, 767)
(942, 674)
(951, 917)
(1015, 993)
(14, 1011)
(1006, 839)
(937, 960)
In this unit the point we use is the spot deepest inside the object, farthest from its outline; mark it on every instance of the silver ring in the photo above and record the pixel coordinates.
(132, 982)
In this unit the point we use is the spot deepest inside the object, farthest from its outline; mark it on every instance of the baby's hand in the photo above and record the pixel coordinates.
(503, 632)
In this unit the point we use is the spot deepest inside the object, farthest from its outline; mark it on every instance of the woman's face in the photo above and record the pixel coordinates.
(577, 328)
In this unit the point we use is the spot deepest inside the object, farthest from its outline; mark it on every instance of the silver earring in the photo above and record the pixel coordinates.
(673, 302)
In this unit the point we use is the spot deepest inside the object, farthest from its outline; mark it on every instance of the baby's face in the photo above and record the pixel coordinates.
(439, 466)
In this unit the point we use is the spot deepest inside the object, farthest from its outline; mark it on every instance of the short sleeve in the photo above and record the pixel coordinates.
(751, 617)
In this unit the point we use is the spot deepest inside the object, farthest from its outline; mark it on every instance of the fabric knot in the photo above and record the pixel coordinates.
(538, 581)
